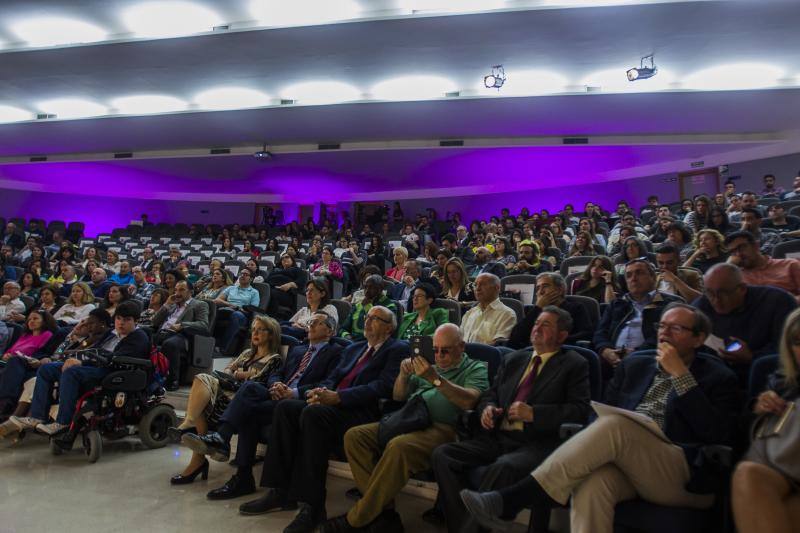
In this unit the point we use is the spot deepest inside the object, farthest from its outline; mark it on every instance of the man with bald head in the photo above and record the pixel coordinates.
(491, 320)
(750, 315)
(448, 387)
(484, 264)
(305, 431)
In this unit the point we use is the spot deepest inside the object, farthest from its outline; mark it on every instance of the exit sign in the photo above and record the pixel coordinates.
(698, 164)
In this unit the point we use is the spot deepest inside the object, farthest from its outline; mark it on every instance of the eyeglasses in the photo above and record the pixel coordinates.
(370, 318)
(673, 328)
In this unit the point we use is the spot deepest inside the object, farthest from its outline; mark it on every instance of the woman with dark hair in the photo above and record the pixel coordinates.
(699, 217)
(679, 235)
(257, 275)
(375, 253)
(254, 252)
(687, 206)
(765, 493)
(597, 281)
(583, 245)
(39, 327)
(589, 225)
(318, 299)
(503, 252)
(157, 300)
(156, 273)
(217, 283)
(283, 282)
(30, 285)
(171, 278)
(48, 299)
(429, 252)
(423, 320)
(40, 267)
(709, 249)
(227, 249)
(718, 220)
(632, 248)
(328, 265)
(273, 246)
(114, 296)
(65, 253)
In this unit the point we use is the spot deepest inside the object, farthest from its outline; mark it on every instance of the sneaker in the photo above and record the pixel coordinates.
(52, 429)
(25, 422)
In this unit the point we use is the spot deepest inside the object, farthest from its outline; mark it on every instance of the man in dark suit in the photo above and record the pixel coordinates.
(550, 290)
(306, 366)
(12, 237)
(533, 393)
(692, 399)
(463, 252)
(403, 291)
(180, 317)
(304, 432)
(484, 264)
(74, 375)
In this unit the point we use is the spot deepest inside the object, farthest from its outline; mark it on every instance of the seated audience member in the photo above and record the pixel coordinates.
(748, 314)
(156, 273)
(179, 318)
(99, 283)
(358, 295)
(208, 398)
(148, 259)
(39, 327)
(115, 295)
(328, 265)
(597, 281)
(458, 248)
(174, 259)
(504, 254)
(795, 192)
(453, 384)
(423, 320)
(112, 261)
(157, 301)
(124, 276)
(65, 280)
(686, 283)
(583, 245)
(258, 275)
(403, 291)
(318, 299)
(231, 304)
(307, 365)
(48, 300)
(456, 282)
(770, 189)
(627, 324)
(628, 221)
(358, 258)
(140, 288)
(217, 283)
(400, 256)
(734, 209)
(692, 397)
(681, 237)
(530, 260)
(29, 285)
(490, 321)
(700, 216)
(751, 222)
(353, 326)
(709, 249)
(483, 263)
(589, 225)
(550, 290)
(171, 278)
(632, 248)
(720, 221)
(75, 375)
(519, 419)
(304, 432)
(787, 225)
(78, 306)
(759, 269)
(658, 232)
(765, 495)
(11, 307)
(284, 282)
(12, 237)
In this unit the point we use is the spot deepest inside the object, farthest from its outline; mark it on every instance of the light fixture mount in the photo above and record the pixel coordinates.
(647, 69)
(496, 79)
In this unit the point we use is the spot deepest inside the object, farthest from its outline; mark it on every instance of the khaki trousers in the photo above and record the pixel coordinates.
(615, 459)
(380, 477)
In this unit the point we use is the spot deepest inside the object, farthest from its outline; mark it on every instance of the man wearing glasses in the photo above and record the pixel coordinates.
(305, 431)
(692, 397)
(448, 387)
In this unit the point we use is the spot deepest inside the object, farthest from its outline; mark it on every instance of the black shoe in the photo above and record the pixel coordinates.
(387, 522)
(172, 386)
(339, 524)
(486, 508)
(271, 501)
(353, 494)
(174, 434)
(434, 517)
(233, 488)
(306, 521)
(180, 479)
(211, 444)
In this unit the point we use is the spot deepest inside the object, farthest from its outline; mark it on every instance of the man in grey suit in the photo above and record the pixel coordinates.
(534, 392)
(180, 317)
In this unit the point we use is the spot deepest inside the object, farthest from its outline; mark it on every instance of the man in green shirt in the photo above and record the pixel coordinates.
(450, 386)
(353, 326)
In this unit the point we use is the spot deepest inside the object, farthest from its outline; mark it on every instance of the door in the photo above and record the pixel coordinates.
(704, 181)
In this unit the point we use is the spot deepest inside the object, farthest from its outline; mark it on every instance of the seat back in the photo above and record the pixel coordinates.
(263, 295)
(523, 283)
(591, 305)
(488, 354)
(453, 309)
(787, 249)
(343, 309)
(575, 264)
(516, 306)
(595, 374)
(760, 370)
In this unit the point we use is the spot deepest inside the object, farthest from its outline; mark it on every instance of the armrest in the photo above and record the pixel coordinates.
(132, 361)
(718, 455)
(566, 431)
(584, 344)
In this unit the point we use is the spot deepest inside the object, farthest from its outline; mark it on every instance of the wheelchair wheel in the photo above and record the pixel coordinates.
(154, 425)
(93, 446)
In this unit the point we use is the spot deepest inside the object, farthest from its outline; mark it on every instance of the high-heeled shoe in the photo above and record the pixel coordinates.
(174, 434)
(180, 479)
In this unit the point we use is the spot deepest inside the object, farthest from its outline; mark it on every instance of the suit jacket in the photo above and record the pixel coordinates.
(194, 318)
(137, 345)
(581, 325)
(618, 313)
(323, 364)
(706, 414)
(492, 267)
(560, 394)
(376, 379)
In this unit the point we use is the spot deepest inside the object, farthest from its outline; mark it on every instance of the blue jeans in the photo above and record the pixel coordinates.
(71, 382)
(14, 377)
(236, 321)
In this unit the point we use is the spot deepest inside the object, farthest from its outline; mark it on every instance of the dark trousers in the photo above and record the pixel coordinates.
(301, 439)
(229, 338)
(505, 460)
(249, 411)
(175, 348)
(14, 377)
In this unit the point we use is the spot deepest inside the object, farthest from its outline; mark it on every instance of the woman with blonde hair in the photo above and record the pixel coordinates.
(78, 306)
(456, 282)
(400, 256)
(211, 393)
(709, 249)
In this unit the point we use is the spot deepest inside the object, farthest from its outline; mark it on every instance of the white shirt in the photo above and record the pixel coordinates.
(14, 306)
(484, 326)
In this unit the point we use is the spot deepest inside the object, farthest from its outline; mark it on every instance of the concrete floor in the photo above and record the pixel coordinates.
(128, 490)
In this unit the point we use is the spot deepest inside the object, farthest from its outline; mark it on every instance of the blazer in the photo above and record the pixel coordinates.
(581, 325)
(560, 394)
(326, 359)
(137, 345)
(620, 310)
(194, 318)
(492, 267)
(376, 379)
(706, 414)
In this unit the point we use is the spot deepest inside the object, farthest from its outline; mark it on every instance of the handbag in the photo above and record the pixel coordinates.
(226, 381)
(776, 441)
(413, 416)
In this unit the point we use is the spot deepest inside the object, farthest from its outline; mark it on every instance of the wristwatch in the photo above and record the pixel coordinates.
(437, 383)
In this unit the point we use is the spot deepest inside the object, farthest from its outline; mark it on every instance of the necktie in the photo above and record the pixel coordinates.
(351, 376)
(526, 386)
(303, 364)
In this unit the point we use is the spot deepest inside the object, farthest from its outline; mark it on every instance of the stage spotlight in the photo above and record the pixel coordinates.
(647, 69)
(263, 154)
(496, 79)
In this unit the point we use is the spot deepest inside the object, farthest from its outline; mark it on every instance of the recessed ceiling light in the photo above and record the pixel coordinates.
(303, 12)
(451, 6)
(55, 31)
(14, 114)
(147, 104)
(67, 108)
(321, 92)
(530, 82)
(615, 80)
(735, 76)
(413, 88)
(221, 98)
(174, 18)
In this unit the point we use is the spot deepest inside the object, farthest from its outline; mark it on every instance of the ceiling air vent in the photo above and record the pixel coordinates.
(575, 140)
(329, 146)
(219, 151)
(38, 158)
(287, 102)
(44, 116)
(123, 155)
(454, 142)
